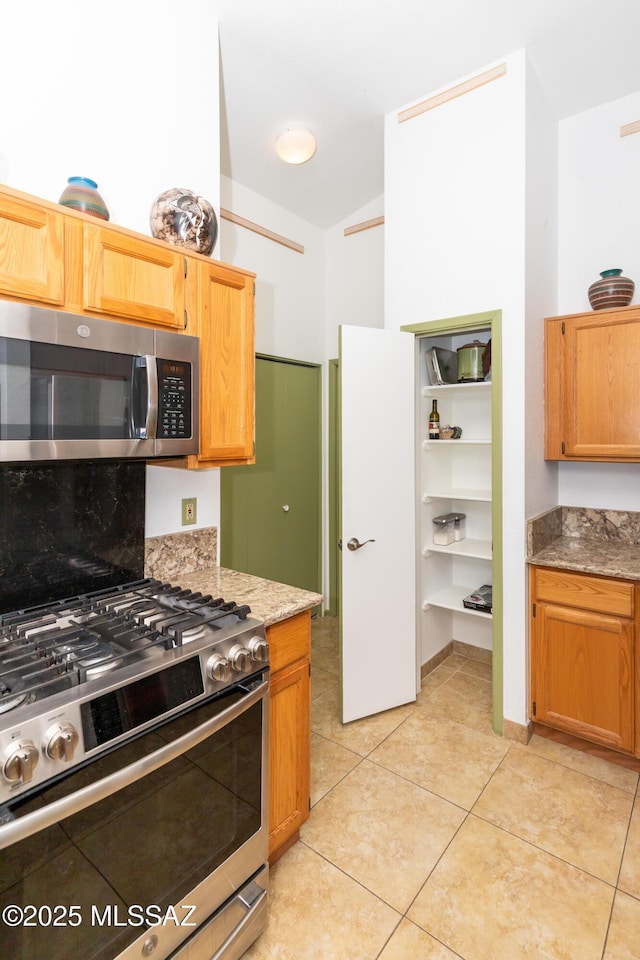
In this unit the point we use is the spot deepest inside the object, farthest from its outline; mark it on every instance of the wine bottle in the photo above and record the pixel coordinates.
(434, 422)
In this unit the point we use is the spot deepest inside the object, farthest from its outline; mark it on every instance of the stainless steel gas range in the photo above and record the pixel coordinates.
(133, 777)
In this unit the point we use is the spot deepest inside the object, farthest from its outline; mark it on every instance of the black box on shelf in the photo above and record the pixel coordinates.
(480, 599)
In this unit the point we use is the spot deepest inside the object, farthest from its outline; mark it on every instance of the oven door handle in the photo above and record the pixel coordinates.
(32, 823)
(252, 908)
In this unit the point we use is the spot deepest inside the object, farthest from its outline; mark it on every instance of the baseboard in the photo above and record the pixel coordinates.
(520, 732)
(430, 665)
(455, 646)
(472, 653)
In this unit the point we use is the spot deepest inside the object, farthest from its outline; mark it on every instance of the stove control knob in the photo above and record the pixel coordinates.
(259, 649)
(218, 668)
(61, 741)
(239, 658)
(19, 762)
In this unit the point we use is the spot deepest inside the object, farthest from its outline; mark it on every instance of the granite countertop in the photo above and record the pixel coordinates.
(602, 542)
(269, 601)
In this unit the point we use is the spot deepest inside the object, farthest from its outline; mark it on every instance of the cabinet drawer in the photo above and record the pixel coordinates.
(289, 640)
(584, 591)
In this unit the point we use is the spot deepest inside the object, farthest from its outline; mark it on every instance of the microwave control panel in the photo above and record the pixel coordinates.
(174, 399)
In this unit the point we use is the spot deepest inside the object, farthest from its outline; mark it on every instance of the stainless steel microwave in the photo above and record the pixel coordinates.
(75, 387)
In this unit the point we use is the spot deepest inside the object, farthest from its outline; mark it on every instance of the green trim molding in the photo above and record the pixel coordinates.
(492, 319)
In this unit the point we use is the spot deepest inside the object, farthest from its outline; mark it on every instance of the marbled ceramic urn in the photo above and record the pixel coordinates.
(180, 216)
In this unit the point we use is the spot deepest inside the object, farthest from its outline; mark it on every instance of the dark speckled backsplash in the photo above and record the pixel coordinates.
(69, 527)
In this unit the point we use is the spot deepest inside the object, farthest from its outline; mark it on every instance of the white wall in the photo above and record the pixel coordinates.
(454, 205)
(355, 274)
(290, 291)
(599, 228)
(541, 274)
(455, 244)
(111, 95)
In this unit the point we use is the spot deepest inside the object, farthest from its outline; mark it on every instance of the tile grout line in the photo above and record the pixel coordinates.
(459, 668)
(617, 887)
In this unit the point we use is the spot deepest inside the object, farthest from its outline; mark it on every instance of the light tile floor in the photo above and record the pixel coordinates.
(430, 838)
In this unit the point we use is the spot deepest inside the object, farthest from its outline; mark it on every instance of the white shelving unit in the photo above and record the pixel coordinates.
(454, 475)
(451, 599)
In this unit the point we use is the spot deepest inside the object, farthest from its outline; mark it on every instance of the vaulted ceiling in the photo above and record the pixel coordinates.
(338, 66)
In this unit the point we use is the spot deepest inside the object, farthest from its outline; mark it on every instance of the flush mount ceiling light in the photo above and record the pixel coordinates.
(295, 144)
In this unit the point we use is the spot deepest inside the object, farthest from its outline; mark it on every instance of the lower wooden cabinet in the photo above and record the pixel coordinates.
(583, 656)
(289, 731)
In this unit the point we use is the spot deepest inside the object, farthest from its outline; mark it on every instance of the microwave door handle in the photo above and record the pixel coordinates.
(144, 367)
(151, 424)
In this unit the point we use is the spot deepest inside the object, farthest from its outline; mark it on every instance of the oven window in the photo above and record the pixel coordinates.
(147, 846)
(56, 392)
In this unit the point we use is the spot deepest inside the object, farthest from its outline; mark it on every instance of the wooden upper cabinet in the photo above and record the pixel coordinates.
(31, 251)
(592, 400)
(67, 260)
(225, 325)
(130, 277)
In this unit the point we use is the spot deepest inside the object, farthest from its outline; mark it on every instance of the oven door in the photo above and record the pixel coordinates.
(133, 853)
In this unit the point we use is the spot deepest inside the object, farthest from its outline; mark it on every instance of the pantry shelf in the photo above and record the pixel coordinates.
(450, 389)
(451, 599)
(457, 493)
(474, 549)
(443, 444)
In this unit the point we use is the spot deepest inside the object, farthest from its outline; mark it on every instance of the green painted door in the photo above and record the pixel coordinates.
(270, 511)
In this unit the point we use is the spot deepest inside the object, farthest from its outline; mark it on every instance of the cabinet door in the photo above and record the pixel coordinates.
(582, 674)
(225, 325)
(289, 745)
(135, 279)
(593, 403)
(31, 252)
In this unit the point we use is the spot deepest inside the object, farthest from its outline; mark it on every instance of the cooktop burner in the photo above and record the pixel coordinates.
(46, 649)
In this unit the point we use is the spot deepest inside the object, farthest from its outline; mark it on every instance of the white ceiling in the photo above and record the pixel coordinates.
(339, 66)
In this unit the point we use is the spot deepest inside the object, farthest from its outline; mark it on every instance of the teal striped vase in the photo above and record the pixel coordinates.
(82, 194)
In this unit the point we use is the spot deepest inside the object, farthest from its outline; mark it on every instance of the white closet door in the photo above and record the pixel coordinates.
(378, 631)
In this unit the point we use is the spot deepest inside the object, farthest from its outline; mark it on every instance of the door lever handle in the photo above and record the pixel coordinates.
(354, 543)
